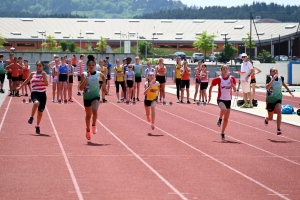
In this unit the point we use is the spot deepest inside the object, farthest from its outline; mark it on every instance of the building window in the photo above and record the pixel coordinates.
(7, 44)
(186, 46)
(26, 45)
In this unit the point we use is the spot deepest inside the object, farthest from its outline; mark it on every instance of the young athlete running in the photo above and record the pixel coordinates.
(63, 75)
(253, 80)
(226, 84)
(80, 70)
(151, 94)
(204, 83)
(14, 68)
(161, 78)
(91, 96)
(39, 82)
(138, 70)
(102, 81)
(119, 80)
(177, 78)
(185, 72)
(55, 84)
(70, 79)
(2, 73)
(129, 81)
(274, 96)
(198, 81)
(26, 72)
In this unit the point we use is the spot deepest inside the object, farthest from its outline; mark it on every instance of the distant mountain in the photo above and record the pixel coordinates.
(264, 11)
(89, 8)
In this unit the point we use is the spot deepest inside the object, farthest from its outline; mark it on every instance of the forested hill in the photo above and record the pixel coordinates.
(272, 10)
(89, 8)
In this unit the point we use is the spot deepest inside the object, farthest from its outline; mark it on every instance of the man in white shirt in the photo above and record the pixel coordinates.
(245, 78)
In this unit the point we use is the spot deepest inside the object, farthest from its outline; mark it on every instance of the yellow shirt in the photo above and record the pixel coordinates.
(119, 70)
(152, 92)
(103, 70)
(177, 71)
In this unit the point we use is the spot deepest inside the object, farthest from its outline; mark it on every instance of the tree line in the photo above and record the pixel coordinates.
(265, 11)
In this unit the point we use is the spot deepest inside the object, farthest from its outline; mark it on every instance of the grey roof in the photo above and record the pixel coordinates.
(166, 30)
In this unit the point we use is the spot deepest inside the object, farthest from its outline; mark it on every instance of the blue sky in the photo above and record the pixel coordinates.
(234, 2)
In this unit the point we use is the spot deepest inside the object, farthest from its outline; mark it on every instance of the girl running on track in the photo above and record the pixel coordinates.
(90, 86)
(253, 80)
(119, 80)
(161, 78)
(26, 72)
(138, 70)
(102, 81)
(55, 84)
(204, 83)
(70, 79)
(177, 78)
(274, 96)
(151, 94)
(129, 82)
(185, 72)
(39, 82)
(226, 84)
(198, 81)
(80, 70)
(63, 75)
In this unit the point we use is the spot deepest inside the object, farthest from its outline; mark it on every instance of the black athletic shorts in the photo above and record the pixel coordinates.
(271, 106)
(253, 81)
(117, 83)
(9, 76)
(15, 79)
(79, 78)
(63, 78)
(23, 80)
(138, 79)
(204, 86)
(129, 83)
(2, 77)
(149, 102)
(40, 97)
(108, 77)
(21, 77)
(71, 79)
(161, 79)
(185, 84)
(198, 80)
(88, 102)
(226, 102)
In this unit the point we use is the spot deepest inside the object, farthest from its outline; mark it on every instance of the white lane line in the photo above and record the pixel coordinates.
(239, 123)
(140, 159)
(5, 113)
(75, 183)
(232, 138)
(211, 157)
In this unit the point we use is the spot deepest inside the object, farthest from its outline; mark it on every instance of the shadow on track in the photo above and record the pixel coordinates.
(227, 142)
(153, 135)
(277, 141)
(96, 144)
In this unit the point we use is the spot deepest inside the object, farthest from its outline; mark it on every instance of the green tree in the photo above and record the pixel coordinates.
(2, 41)
(247, 42)
(50, 42)
(204, 42)
(71, 46)
(64, 45)
(101, 45)
(227, 52)
(265, 57)
(143, 45)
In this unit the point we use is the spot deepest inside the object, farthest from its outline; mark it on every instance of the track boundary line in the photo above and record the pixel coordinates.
(140, 159)
(5, 113)
(211, 157)
(75, 183)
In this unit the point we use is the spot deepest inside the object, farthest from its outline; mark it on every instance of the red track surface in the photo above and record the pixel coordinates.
(183, 158)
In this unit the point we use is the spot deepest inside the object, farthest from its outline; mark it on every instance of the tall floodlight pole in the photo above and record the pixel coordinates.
(120, 41)
(250, 35)
(80, 40)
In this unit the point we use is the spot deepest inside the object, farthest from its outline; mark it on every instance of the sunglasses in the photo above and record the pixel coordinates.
(129, 67)
(274, 71)
(151, 75)
(244, 56)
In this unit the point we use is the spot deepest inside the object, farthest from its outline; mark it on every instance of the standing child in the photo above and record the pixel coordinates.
(63, 81)
(70, 79)
(2, 73)
(26, 72)
(177, 78)
(14, 68)
(161, 72)
(204, 84)
(198, 81)
(151, 93)
(102, 81)
(226, 84)
(185, 72)
(274, 96)
(129, 82)
(253, 80)
(138, 70)
(91, 96)
(119, 80)
(55, 84)
(39, 82)
(80, 70)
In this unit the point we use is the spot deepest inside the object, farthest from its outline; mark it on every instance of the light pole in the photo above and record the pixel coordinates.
(272, 53)
(120, 42)
(80, 41)
(137, 43)
(225, 47)
(153, 47)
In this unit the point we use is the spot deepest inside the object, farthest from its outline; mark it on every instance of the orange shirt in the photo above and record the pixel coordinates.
(21, 71)
(185, 75)
(26, 72)
(74, 61)
(15, 70)
(8, 62)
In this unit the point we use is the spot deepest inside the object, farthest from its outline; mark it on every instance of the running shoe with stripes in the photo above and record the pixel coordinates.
(279, 132)
(88, 135)
(266, 122)
(94, 129)
(219, 122)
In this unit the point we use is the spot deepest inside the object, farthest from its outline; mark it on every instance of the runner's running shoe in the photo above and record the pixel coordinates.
(244, 106)
(188, 102)
(279, 132)
(30, 120)
(94, 129)
(219, 122)
(223, 136)
(152, 126)
(266, 122)
(148, 119)
(37, 130)
(88, 135)
(249, 106)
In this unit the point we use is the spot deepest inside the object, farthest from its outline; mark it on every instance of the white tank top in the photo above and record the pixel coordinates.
(225, 89)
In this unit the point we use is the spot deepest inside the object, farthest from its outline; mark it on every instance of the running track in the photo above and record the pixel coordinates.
(183, 158)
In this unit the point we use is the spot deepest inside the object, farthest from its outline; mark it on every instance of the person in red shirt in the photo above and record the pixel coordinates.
(8, 62)
(185, 72)
(14, 68)
(26, 72)
(226, 84)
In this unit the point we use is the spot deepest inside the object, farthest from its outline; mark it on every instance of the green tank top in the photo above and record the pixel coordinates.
(274, 93)
(137, 70)
(91, 89)
(2, 71)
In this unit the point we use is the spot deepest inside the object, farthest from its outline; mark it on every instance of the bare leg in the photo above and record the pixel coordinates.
(34, 108)
(65, 90)
(39, 117)
(182, 93)
(138, 90)
(188, 94)
(225, 120)
(196, 91)
(279, 116)
(152, 114)
(253, 90)
(88, 115)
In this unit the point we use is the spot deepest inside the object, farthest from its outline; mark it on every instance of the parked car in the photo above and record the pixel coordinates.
(197, 57)
(238, 59)
(281, 58)
(222, 58)
(180, 54)
(214, 57)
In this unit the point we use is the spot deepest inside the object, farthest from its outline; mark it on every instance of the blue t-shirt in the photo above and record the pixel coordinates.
(63, 69)
(108, 67)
